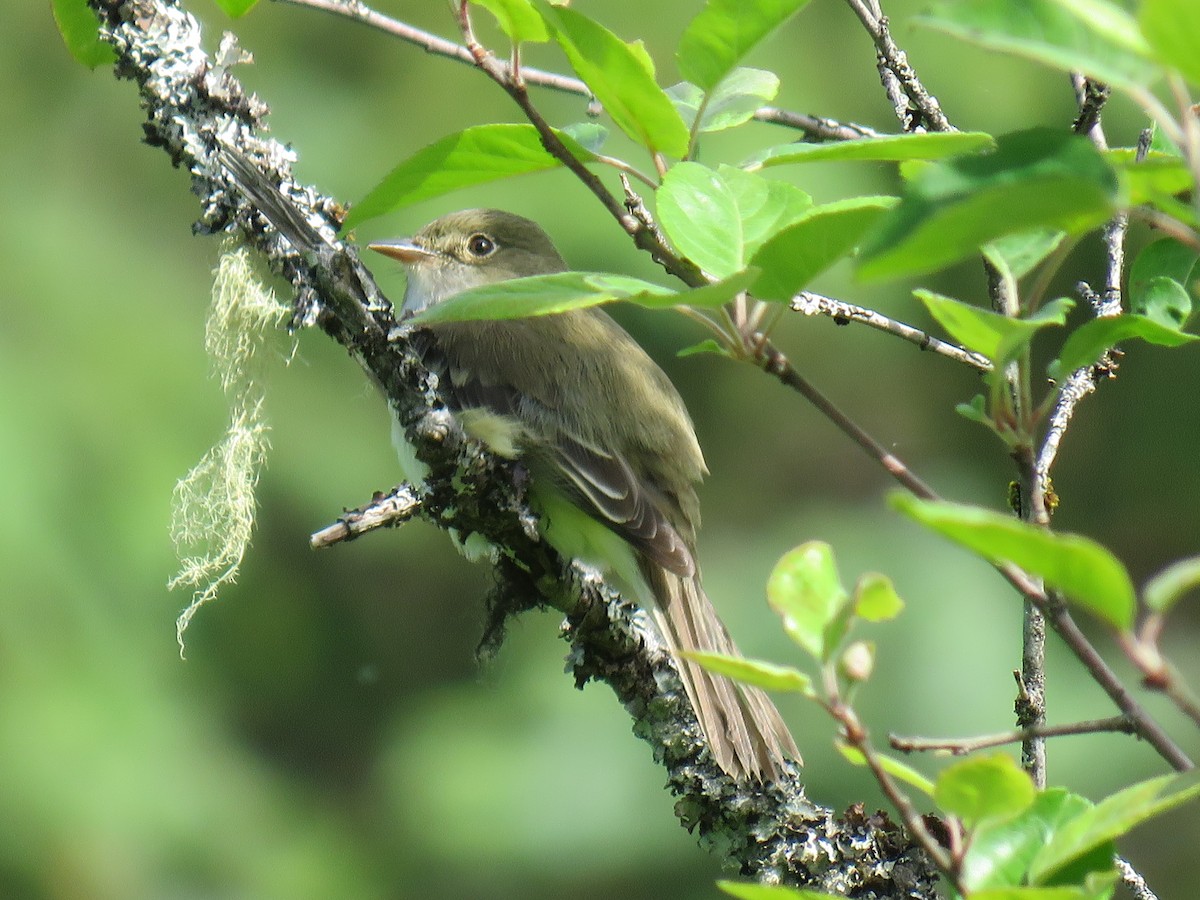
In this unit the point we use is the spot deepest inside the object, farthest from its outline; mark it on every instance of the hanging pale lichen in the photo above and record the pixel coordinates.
(213, 505)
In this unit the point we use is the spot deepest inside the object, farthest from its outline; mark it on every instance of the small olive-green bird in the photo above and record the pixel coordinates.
(611, 452)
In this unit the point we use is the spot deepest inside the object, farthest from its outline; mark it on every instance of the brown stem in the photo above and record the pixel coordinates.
(963, 746)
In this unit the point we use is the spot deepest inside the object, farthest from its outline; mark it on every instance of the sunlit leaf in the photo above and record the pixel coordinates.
(1053, 33)
(519, 20)
(1002, 850)
(724, 32)
(889, 148)
(80, 30)
(1173, 28)
(1043, 178)
(875, 598)
(984, 787)
(1172, 584)
(1090, 340)
(473, 156)
(999, 338)
(1021, 253)
(1111, 818)
(717, 218)
(621, 76)
(1084, 571)
(813, 243)
(805, 590)
(768, 676)
(732, 102)
(901, 771)
(236, 8)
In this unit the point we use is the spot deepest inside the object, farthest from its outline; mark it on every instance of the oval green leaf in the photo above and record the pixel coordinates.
(901, 771)
(1055, 33)
(1172, 584)
(768, 676)
(518, 19)
(1087, 573)
(1111, 818)
(1090, 340)
(984, 787)
(1042, 178)
(473, 156)
(814, 242)
(888, 148)
(80, 30)
(805, 590)
(875, 598)
(999, 338)
(1173, 28)
(724, 32)
(621, 76)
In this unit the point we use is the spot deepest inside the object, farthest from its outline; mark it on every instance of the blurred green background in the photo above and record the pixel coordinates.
(330, 733)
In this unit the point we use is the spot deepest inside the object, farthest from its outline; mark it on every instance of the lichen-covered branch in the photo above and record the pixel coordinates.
(198, 113)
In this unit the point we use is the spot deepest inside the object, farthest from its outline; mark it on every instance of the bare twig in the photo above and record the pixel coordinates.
(894, 64)
(386, 510)
(815, 128)
(963, 746)
(813, 304)
(1133, 880)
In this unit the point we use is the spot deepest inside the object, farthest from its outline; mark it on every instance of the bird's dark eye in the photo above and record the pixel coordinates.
(481, 245)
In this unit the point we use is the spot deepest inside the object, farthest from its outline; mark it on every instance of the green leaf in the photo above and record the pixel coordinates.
(519, 20)
(476, 155)
(999, 338)
(708, 345)
(805, 590)
(724, 32)
(1162, 281)
(1110, 818)
(540, 295)
(1042, 178)
(588, 135)
(621, 76)
(710, 295)
(889, 148)
(746, 891)
(813, 243)
(235, 9)
(1158, 173)
(718, 218)
(1090, 340)
(875, 598)
(1001, 850)
(543, 295)
(984, 787)
(732, 102)
(1082, 569)
(899, 770)
(768, 676)
(80, 30)
(1053, 32)
(700, 216)
(1020, 253)
(1172, 584)
(1173, 28)
(975, 410)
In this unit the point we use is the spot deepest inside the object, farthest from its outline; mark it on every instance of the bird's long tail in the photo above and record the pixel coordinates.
(747, 735)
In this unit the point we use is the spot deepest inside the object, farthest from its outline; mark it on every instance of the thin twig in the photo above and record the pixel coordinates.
(1133, 880)
(963, 746)
(386, 510)
(813, 304)
(815, 128)
(895, 61)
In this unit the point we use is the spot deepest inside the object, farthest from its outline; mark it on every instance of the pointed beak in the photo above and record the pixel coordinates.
(402, 249)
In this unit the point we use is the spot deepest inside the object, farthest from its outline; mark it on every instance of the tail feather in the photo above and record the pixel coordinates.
(747, 735)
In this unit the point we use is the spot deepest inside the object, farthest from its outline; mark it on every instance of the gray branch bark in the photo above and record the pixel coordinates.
(198, 113)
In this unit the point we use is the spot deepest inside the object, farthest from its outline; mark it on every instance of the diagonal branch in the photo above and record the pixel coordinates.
(201, 117)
